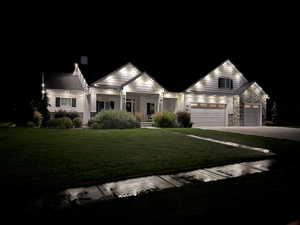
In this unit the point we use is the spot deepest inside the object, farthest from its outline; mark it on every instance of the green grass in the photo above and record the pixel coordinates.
(264, 198)
(276, 145)
(41, 160)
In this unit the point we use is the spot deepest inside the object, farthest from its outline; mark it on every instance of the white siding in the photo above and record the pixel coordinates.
(169, 105)
(79, 95)
(143, 84)
(120, 76)
(209, 83)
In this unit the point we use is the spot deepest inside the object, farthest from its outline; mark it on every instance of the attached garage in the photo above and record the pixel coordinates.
(252, 115)
(208, 114)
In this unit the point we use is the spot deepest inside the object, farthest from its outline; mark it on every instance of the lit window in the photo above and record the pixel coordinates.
(65, 102)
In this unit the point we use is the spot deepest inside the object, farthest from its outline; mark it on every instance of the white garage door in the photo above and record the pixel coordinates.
(203, 114)
(251, 115)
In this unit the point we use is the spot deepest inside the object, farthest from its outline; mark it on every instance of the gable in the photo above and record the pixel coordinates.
(253, 93)
(143, 84)
(209, 83)
(119, 77)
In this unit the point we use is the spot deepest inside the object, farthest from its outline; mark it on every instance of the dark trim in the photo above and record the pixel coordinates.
(57, 102)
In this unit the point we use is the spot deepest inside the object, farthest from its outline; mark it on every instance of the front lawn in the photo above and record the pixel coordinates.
(281, 146)
(41, 160)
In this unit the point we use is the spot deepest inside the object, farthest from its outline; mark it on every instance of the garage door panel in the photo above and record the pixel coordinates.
(252, 117)
(208, 116)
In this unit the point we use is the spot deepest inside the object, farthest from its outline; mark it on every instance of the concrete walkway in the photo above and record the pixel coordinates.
(274, 132)
(137, 186)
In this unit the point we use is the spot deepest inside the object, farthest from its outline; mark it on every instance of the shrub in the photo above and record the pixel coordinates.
(184, 119)
(269, 123)
(72, 115)
(63, 122)
(77, 122)
(165, 119)
(139, 116)
(110, 119)
(31, 124)
(60, 114)
(37, 118)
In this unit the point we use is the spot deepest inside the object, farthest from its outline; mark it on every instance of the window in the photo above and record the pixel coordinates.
(225, 83)
(105, 105)
(150, 108)
(65, 102)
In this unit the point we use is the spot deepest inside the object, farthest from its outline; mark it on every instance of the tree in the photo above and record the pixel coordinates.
(274, 113)
(43, 108)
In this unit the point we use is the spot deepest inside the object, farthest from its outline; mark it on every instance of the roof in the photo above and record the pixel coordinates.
(119, 77)
(68, 81)
(244, 87)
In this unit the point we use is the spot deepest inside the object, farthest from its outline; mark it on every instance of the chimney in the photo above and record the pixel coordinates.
(84, 60)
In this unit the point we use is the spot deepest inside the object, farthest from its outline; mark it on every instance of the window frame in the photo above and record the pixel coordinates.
(227, 83)
(65, 102)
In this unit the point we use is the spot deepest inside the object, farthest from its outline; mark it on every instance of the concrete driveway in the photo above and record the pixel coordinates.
(275, 132)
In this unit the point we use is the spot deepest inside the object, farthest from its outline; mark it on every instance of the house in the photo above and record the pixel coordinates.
(224, 97)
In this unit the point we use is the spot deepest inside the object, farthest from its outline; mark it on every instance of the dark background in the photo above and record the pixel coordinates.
(177, 45)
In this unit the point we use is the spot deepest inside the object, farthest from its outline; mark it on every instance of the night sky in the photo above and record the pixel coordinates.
(175, 48)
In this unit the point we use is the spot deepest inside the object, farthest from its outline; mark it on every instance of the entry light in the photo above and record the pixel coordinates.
(43, 85)
(43, 91)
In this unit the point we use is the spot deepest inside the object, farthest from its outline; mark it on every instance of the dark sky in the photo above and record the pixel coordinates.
(174, 47)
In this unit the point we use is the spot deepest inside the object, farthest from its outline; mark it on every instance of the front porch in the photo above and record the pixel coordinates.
(140, 104)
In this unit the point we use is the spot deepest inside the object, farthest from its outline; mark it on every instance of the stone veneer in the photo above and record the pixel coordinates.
(236, 111)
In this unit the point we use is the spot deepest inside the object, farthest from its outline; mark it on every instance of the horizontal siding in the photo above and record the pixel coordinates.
(79, 95)
(121, 76)
(143, 84)
(194, 98)
(209, 83)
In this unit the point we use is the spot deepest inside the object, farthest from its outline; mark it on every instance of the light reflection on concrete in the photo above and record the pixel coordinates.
(137, 186)
(199, 175)
(133, 187)
(264, 165)
(234, 170)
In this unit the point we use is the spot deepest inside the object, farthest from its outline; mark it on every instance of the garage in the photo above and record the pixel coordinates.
(251, 115)
(208, 114)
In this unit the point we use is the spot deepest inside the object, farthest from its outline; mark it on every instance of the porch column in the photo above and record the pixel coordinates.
(160, 102)
(122, 99)
(93, 100)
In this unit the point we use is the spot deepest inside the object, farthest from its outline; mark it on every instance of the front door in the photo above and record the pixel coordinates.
(130, 105)
(150, 109)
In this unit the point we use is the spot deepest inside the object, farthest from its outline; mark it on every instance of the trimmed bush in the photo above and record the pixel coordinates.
(269, 123)
(64, 123)
(77, 122)
(184, 119)
(72, 115)
(139, 116)
(31, 124)
(164, 119)
(60, 114)
(113, 119)
(37, 118)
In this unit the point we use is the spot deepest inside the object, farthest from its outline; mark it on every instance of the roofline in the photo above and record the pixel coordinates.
(227, 60)
(114, 71)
